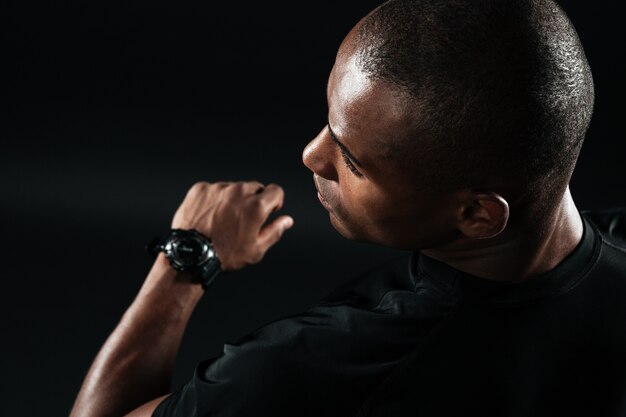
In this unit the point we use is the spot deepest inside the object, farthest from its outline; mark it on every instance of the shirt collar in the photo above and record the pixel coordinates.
(458, 284)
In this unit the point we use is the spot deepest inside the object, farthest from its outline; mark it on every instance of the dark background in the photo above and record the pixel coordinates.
(115, 108)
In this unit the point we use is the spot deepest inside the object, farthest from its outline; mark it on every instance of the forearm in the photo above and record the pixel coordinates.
(136, 362)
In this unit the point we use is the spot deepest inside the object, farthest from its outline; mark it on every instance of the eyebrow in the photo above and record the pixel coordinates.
(342, 146)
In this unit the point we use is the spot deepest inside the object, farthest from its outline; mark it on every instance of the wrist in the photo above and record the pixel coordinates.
(166, 283)
(189, 251)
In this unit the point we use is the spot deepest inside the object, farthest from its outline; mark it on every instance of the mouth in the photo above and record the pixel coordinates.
(321, 197)
(323, 201)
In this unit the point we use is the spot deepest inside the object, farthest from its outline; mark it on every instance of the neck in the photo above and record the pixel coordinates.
(525, 249)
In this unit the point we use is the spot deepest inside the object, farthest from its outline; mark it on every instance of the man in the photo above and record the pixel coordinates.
(453, 130)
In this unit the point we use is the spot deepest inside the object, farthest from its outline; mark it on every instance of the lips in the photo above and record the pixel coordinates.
(320, 196)
(324, 202)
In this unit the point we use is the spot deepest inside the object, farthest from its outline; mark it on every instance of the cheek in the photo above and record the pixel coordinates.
(363, 200)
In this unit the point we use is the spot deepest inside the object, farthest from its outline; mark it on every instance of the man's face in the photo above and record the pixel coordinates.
(368, 196)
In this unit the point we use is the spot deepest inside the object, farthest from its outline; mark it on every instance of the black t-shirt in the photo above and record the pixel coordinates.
(418, 337)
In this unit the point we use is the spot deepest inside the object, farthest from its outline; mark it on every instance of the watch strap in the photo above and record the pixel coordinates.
(154, 246)
(208, 271)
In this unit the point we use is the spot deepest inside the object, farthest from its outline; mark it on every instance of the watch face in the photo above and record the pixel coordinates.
(189, 251)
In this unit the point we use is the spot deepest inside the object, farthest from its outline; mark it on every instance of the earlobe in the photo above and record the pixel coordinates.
(486, 216)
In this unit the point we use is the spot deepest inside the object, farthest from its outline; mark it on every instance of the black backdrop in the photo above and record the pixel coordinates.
(116, 108)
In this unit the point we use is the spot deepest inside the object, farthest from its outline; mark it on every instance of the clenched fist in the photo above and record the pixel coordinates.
(232, 215)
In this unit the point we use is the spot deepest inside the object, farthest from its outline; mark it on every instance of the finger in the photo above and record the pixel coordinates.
(271, 199)
(272, 232)
(251, 187)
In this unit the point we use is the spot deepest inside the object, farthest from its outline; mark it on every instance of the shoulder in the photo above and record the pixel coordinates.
(367, 288)
(319, 341)
(610, 223)
(296, 339)
(327, 356)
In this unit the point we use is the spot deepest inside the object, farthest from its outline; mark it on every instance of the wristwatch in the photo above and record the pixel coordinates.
(189, 250)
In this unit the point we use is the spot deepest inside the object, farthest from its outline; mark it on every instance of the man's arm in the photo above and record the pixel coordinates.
(135, 365)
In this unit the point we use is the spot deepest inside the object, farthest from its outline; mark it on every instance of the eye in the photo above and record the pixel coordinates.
(349, 164)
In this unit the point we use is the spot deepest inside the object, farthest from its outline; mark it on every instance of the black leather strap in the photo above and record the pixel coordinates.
(154, 246)
(209, 271)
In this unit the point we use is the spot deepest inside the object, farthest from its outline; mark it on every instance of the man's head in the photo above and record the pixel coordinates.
(452, 110)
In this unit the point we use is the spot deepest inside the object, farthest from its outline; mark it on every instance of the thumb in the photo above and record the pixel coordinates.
(272, 232)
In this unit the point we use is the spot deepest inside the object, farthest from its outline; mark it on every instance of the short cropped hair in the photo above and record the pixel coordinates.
(502, 88)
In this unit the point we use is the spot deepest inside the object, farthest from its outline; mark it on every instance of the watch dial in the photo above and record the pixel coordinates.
(189, 251)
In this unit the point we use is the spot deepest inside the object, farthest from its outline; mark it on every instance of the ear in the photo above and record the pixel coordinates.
(484, 216)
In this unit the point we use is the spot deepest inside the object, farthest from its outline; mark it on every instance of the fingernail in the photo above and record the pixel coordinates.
(288, 223)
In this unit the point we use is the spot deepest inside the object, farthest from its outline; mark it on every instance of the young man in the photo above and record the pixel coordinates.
(453, 130)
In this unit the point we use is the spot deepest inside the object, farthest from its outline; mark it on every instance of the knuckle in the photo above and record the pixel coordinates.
(276, 188)
(239, 187)
(231, 189)
(199, 187)
(251, 187)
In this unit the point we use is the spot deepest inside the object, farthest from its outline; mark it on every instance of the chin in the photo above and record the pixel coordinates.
(360, 235)
(346, 231)
(340, 227)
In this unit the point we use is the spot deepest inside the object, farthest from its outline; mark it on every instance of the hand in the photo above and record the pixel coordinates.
(232, 215)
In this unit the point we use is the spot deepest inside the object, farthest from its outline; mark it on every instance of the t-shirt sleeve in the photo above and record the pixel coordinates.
(242, 380)
(304, 365)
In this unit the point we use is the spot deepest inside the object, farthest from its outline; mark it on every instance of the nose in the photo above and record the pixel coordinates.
(318, 156)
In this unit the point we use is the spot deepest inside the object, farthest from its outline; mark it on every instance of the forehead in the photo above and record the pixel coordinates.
(369, 115)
